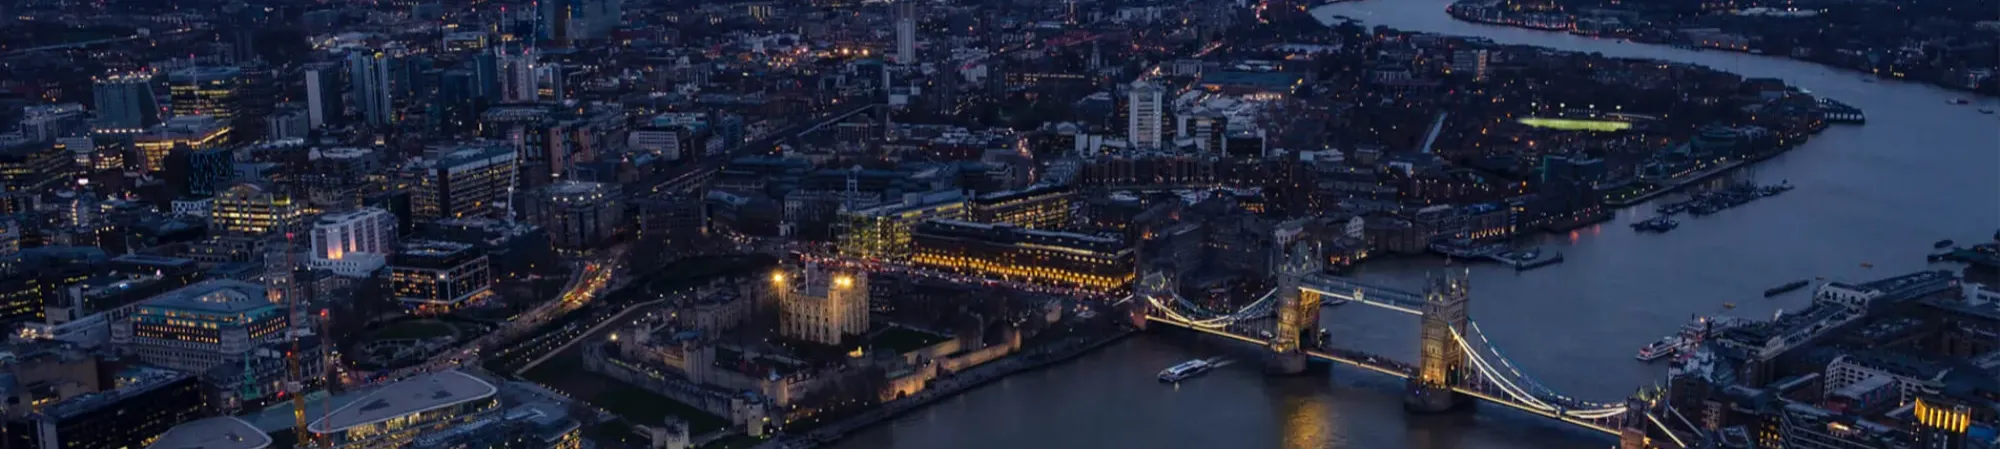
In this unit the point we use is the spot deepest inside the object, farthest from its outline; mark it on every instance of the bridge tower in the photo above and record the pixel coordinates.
(1157, 282)
(1441, 363)
(1298, 310)
(1632, 430)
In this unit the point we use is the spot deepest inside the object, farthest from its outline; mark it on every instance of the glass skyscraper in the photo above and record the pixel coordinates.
(210, 91)
(125, 104)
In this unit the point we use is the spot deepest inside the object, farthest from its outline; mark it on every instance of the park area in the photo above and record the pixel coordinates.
(567, 374)
(403, 343)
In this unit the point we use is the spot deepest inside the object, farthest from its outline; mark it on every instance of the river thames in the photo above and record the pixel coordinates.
(1921, 170)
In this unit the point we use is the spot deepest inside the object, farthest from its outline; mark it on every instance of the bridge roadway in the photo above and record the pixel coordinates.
(1356, 291)
(1385, 366)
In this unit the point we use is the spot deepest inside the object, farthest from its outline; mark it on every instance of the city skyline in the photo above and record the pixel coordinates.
(901, 224)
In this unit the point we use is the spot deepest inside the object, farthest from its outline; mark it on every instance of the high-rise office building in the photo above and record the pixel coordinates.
(198, 173)
(551, 82)
(456, 104)
(1146, 106)
(210, 91)
(436, 276)
(125, 104)
(256, 95)
(324, 105)
(287, 122)
(517, 80)
(195, 132)
(35, 167)
(579, 216)
(197, 327)
(906, 32)
(52, 122)
(369, 74)
(334, 178)
(469, 182)
(250, 210)
(353, 243)
(486, 75)
(566, 21)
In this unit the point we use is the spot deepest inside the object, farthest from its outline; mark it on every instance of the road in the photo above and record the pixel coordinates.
(99, 41)
(962, 279)
(690, 176)
(588, 284)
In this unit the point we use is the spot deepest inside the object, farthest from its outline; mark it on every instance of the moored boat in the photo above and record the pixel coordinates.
(1788, 287)
(1658, 349)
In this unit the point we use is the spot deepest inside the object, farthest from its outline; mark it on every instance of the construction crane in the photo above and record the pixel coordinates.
(276, 284)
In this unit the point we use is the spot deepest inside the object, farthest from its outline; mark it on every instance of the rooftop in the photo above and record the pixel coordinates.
(227, 432)
(1913, 284)
(433, 248)
(217, 296)
(406, 397)
(201, 73)
(139, 380)
(1032, 233)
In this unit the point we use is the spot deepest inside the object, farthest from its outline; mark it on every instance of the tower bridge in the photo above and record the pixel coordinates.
(1456, 363)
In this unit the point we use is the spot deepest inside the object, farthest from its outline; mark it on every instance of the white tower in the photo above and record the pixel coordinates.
(1145, 105)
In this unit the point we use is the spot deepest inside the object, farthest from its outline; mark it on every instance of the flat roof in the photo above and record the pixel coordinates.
(409, 396)
(227, 432)
(217, 296)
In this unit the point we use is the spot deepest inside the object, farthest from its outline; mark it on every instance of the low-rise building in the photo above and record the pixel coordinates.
(223, 432)
(401, 413)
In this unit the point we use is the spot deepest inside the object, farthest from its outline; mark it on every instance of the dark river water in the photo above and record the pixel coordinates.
(1921, 170)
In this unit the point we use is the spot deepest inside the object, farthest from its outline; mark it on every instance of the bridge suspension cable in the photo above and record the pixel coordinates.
(1254, 310)
(1530, 380)
(1522, 395)
(1491, 375)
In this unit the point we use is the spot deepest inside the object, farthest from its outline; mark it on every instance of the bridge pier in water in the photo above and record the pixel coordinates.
(1297, 310)
(1441, 364)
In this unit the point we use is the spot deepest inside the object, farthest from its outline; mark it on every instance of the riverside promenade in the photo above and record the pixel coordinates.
(947, 387)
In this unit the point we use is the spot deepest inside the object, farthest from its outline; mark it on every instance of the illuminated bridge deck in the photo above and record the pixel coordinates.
(1398, 369)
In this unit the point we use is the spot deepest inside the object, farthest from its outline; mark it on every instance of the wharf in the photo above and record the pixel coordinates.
(1837, 112)
(1984, 256)
(1529, 260)
(1498, 252)
(1676, 184)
